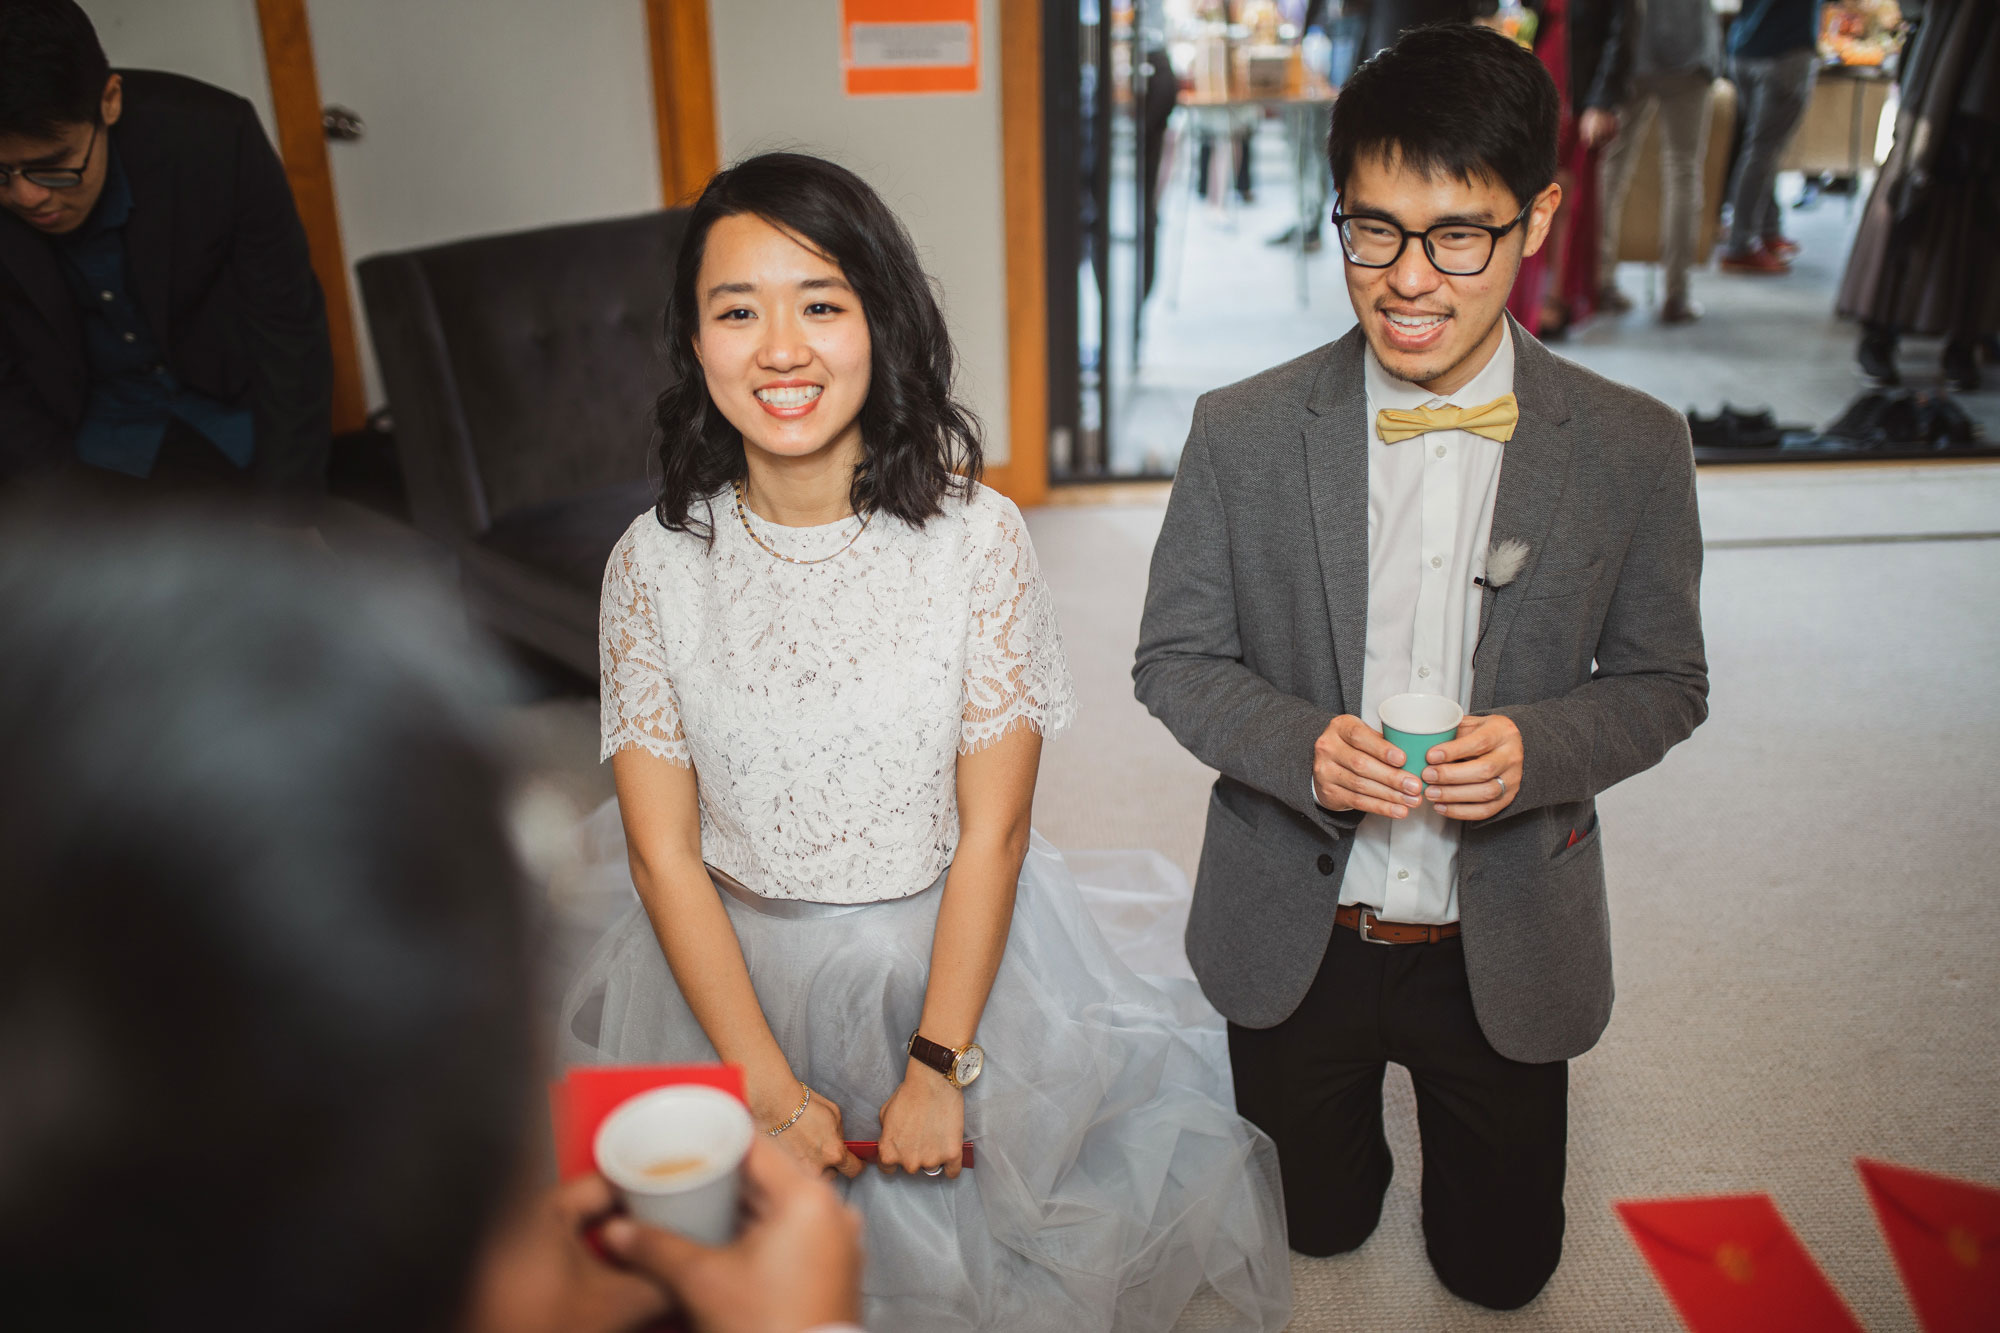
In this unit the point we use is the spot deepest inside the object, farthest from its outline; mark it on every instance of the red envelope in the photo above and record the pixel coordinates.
(589, 1093)
(1945, 1236)
(869, 1149)
(1730, 1264)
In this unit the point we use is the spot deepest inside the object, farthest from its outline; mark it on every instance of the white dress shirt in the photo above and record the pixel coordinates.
(1430, 520)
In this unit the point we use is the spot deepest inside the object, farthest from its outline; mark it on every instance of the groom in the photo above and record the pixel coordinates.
(1434, 504)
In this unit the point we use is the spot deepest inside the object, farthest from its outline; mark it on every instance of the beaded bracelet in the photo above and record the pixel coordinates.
(796, 1114)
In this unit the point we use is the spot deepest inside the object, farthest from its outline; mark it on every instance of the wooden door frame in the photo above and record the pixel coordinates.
(683, 96)
(1024, 477)
(295, 106)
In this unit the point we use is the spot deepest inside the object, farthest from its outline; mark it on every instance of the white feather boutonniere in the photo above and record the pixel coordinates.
(1504, 561)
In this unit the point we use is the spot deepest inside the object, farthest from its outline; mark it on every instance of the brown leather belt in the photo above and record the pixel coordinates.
(1364, 922)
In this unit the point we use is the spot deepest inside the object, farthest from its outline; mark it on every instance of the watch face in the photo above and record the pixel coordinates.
(968, 1065)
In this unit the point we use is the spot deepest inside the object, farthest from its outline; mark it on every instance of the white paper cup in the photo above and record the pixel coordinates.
(1413, 723)
(676, 1156)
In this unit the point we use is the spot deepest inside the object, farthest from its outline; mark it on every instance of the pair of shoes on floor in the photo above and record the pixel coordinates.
(1679, 310)
(1611, 301)
(1731, 429)
(1877, 358)
(1754, 260)
(1901, 419)
(1784, 247)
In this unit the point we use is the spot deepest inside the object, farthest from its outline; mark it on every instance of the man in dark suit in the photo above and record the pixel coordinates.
(160, 324)
(1433, 505)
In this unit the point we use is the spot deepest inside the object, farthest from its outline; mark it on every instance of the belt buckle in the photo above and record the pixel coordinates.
(1361, 927)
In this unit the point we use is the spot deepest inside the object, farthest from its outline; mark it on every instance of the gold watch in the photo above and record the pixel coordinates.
(959, 1066)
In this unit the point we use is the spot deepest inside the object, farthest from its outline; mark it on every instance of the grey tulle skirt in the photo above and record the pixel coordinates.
(1114, 1179)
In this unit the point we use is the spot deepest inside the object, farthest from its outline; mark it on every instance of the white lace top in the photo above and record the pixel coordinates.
(823, 706)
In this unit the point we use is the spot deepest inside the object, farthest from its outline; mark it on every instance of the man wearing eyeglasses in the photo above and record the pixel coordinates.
(1433, 505)
(160, 324)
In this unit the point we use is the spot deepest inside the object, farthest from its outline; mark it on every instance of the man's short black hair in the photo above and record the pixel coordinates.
(52, 68)
(1455, 99)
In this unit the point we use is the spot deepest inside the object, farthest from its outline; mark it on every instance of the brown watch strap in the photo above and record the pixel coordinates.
(940, 1058)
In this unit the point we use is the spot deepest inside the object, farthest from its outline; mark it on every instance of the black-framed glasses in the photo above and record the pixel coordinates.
(1458, 249)
(53, 178)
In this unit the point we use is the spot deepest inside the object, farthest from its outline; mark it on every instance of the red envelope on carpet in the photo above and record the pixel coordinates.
(1731, 1263)
(1945, 1236)
(588, 1093)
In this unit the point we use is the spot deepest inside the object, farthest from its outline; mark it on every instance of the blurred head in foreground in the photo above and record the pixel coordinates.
(265, 1025)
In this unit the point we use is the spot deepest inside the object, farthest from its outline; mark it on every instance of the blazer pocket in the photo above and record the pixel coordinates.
(1550, 583)
(1586, 840)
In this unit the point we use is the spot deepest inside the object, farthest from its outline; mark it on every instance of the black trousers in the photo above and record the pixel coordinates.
(1494, 1130)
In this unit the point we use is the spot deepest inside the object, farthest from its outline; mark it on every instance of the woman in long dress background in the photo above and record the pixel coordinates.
(829, 662)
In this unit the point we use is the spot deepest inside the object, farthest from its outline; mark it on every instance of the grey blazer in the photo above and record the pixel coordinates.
(1252, 643)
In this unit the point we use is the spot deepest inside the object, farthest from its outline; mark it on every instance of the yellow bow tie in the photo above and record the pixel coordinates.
(1494, 420)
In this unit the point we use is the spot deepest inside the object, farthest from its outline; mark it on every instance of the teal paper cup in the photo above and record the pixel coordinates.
(1413, 723)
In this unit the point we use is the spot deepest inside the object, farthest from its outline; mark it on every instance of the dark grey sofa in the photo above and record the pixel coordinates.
(521, 372)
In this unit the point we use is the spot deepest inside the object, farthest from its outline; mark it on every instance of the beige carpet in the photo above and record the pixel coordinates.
(1801, 894)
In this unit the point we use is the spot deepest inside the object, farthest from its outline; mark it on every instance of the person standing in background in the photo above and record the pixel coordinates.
(1773, 61)
(1676, 57)
(1586, 46)
(1923, 261)
(160, 324)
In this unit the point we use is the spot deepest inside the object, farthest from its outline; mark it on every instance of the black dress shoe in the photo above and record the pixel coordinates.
(1731, 429)
(1707, 431)
(1945, 424)
(1860, 424)
(1877, 358)
(1960, 365)
(1679, 312)
(1753, 430)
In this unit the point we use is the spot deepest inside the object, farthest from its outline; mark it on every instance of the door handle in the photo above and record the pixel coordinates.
(341, 124)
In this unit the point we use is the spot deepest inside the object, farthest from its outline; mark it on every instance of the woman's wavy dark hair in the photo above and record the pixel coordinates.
(920, 443)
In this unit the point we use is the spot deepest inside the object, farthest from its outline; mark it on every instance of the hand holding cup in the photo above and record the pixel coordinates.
(1477, 774)
(1356, 768)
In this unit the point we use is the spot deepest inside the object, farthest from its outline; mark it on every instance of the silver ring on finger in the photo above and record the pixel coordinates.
(933, 1170)
(1503, 785)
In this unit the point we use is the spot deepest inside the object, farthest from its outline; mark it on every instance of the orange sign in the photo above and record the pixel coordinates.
(910, 46)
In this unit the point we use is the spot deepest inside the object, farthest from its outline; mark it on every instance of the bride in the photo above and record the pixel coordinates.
(829, 661)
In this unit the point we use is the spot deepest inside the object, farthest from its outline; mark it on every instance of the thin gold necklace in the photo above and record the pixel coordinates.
(751, 532)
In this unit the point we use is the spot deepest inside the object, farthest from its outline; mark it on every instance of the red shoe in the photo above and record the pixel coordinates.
(1758, 260)
(1784, 247)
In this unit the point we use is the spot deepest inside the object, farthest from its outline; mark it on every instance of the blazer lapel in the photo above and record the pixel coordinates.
(1533, 469)
(1336, 464)
(30, 260)
(149, 234)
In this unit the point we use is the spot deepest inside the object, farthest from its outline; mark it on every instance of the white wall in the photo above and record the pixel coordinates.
(216, 41)
(484, 116)
(935, 159)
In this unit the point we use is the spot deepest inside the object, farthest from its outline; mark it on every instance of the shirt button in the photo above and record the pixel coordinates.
(129, 337)
(1437, 561)
(1423, 673)
(1402, 874)
(106, 296)
(1440, 451)
(1325, 864)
